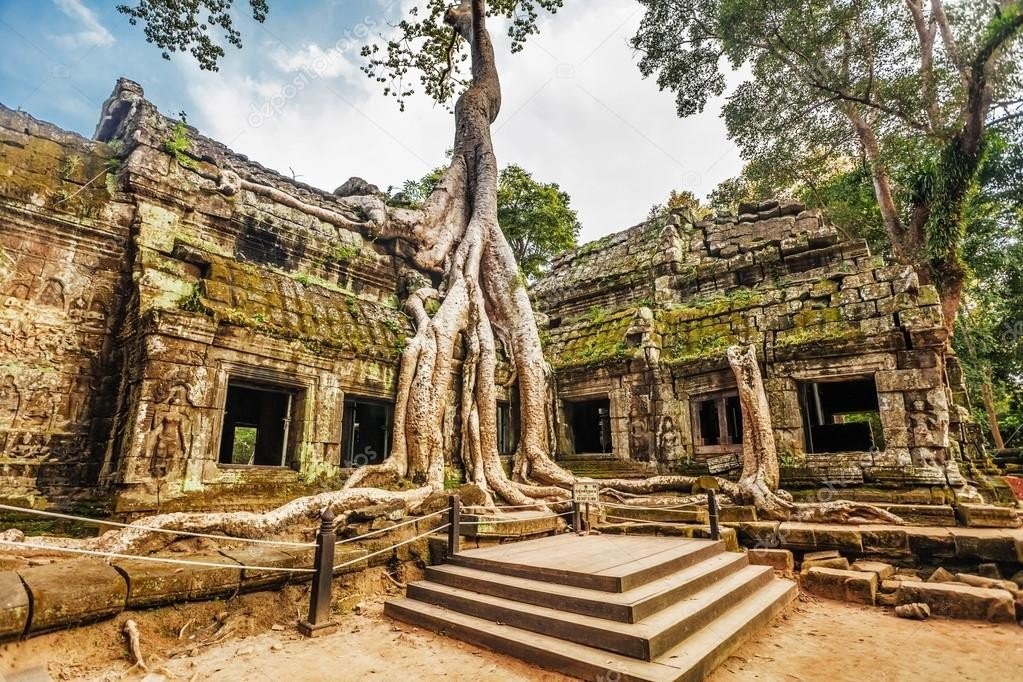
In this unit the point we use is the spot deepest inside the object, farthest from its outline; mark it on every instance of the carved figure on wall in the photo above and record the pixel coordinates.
(78, 399)
(10, 402)
(667, 438)
(168, 441)
(52, 294)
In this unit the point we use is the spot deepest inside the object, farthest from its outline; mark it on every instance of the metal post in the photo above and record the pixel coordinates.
(587, 518)
(712, 514)
(454, 520)
(319, 622)
(576, 518)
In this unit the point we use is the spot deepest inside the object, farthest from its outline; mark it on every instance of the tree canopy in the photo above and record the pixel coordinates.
(906, 90)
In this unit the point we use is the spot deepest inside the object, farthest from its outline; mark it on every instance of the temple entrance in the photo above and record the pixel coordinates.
(366, 432)
(841, 416)
(589, 422)
(257, 421)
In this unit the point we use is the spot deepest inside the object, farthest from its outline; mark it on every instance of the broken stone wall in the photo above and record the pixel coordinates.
(817, 308)
(64, 236)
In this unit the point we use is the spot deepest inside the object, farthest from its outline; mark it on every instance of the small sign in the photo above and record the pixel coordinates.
(586, 492)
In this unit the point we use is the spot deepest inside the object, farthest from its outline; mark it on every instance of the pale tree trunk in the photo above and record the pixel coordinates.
(482, 297)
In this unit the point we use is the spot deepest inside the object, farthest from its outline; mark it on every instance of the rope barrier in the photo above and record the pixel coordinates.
(390, 528)
(155, 559)
(393, 547)
(169, 531)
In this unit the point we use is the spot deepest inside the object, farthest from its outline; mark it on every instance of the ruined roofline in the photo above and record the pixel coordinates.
(127, 115)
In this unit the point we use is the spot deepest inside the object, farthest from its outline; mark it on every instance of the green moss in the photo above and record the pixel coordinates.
(193, 302)
(177, 145)
(342, 254)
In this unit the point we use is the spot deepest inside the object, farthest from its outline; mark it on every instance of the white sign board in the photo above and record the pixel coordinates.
(586, 492)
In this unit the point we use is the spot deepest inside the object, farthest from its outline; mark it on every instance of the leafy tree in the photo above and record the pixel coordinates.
(536, 217)
(180, 25)
(906, 85)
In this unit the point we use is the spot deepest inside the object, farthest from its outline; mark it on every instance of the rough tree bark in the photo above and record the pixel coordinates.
(464, 264)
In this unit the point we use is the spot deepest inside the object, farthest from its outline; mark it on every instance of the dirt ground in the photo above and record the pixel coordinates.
(252, 638)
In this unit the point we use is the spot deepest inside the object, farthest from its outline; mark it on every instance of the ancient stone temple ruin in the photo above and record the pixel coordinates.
(183, 328)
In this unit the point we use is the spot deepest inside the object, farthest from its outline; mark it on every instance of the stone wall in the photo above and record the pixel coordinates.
(64, 240)
(139, 278)
(644, 317)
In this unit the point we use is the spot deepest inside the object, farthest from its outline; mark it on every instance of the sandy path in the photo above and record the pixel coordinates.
(815, 640)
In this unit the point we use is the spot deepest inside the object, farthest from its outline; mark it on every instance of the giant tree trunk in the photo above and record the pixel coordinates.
(463, 262)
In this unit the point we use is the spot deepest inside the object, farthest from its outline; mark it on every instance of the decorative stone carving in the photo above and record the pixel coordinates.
(169, 441)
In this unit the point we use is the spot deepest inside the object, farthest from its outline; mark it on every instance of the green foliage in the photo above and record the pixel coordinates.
(838, 92)
(192, 303)
(342, 254)
(180, 25)
(536, 217)
(425, 51)
(177, 144)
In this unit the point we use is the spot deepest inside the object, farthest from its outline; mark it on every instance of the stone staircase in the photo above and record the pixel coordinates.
(601, 607)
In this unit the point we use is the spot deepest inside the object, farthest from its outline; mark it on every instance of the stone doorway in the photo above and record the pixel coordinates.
(366, 432)
(589, 423)
(257, 424)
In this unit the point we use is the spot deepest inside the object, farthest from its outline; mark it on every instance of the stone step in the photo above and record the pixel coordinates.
(646, 639)
(652, 514)
(518, 524)
(625, 607)
(609, 573)
(605, 467)
(690, 661)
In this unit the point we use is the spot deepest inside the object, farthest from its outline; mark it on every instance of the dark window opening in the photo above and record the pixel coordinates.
(590, 421)
(366, 432)
(717, 422)
(257, 422)
(841, 416)
(507, 429)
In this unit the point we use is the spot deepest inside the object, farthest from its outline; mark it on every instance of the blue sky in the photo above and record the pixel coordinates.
(576, 110)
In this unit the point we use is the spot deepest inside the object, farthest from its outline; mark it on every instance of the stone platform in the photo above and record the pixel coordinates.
(599, 606)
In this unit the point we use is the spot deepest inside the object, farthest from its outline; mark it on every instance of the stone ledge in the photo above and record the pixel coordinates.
(960, 601)
(73, 592)
(14, 606)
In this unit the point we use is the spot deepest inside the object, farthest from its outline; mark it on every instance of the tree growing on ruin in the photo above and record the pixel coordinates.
(911, 86)
(467, 297)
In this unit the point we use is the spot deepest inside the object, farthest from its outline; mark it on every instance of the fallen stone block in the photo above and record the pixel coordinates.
(213, 581)
(956, 600)
(840, 563)
(915, 611)
(1017, 578)
(883, 570)
(778, 559)
(940, 575)
(13, 606)
(833, 583)
(988, 516)
(72, 592)
(263, 557)
(817, 556)
(990, 570)
(153, 584)
(890, 585)
(981, 581)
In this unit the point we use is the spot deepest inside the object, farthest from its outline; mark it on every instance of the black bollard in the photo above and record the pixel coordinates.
(577, 518)
(454, 521)
(319, 622)
(712, 514)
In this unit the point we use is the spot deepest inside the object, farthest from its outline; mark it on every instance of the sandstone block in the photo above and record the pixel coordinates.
(851, 586)
(840, 563)
(152, 584)
(778, 559)
(13, 606)
(987, 545)
(71, 592)
(981, 581)
(988, 516)
(268, 557)
(824, 554)
(941, 576)
(961, 601)
(915, 611)
(883, 570)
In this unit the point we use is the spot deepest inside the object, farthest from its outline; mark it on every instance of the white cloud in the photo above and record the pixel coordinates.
(576, 111)
(90, 33)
